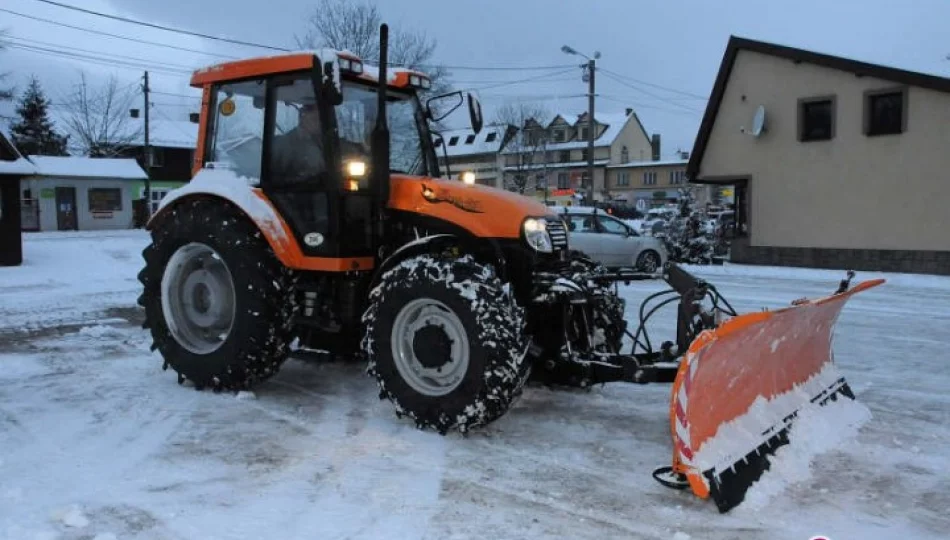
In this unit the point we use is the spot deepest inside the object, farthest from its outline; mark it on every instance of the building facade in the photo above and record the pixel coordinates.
(79, 193)
(463, 150)
(548, 157)
(836, 163)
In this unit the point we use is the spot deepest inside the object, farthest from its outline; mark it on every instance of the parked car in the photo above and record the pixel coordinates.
(610, 241)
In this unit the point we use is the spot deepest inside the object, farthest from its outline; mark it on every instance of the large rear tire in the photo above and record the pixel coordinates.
(217, 301)
(446, 342)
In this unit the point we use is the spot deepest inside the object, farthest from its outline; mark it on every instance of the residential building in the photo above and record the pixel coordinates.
(548, 157)
(172, 144)
(464, 150)
(79, 193)
(836, 163)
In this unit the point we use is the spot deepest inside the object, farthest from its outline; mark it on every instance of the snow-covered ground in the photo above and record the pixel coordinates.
(97, 442)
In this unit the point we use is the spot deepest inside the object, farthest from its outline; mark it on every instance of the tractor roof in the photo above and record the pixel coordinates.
(300, 60)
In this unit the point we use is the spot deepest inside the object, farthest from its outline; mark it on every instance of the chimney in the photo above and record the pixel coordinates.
(194, 117)
(629, 111)
(655, 145)
(134, 113)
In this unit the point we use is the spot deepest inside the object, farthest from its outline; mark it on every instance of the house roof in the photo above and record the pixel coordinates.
(644, 164)
(87, 167)
(165, 133)
(736, 44)
(615, 123)
(479, 144)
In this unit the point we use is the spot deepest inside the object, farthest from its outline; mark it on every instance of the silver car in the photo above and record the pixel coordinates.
(610, 241)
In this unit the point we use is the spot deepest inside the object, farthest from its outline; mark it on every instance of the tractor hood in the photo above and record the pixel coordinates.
(484, 211)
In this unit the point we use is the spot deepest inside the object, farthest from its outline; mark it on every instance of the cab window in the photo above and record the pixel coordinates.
(237, 127)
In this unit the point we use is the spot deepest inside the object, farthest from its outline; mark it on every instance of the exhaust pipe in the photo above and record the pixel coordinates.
(379, 144)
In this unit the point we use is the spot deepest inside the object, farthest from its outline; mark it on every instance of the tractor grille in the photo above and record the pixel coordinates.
(558, 233)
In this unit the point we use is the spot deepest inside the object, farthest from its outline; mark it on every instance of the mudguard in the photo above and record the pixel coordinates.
(740, 386)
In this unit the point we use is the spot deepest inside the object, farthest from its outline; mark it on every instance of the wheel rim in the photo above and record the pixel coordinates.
(430, 347)
(198, 298)
(648, 262)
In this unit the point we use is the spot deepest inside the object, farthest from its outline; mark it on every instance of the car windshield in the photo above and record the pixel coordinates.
(356, 117)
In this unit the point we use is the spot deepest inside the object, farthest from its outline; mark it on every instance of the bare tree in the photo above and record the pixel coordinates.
(354, 27)
(524, 154)
(98, 119)
(6, 92)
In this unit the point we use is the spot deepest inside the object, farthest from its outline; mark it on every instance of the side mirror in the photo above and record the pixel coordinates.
(431, 114)
(475, 113)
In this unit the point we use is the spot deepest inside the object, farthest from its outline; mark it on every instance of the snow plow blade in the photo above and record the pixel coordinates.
(739, 387)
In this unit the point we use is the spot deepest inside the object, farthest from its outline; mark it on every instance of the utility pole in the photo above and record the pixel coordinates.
(590, 132)
(591, 66)
(148, 156)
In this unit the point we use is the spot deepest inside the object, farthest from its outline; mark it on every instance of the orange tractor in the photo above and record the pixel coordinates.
(318, 218)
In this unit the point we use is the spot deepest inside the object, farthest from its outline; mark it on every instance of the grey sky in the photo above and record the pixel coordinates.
(672, 43)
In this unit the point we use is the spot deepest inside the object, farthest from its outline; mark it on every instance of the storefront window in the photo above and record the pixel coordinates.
(105, 199)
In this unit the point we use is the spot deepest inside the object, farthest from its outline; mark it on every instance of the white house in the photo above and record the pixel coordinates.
(79, 193)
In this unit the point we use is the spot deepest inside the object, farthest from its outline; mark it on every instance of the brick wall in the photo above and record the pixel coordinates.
(910, 261)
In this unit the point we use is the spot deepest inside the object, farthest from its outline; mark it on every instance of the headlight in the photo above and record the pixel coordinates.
(536, 234)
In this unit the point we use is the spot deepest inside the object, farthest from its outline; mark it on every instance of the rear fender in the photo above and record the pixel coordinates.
(226, 186)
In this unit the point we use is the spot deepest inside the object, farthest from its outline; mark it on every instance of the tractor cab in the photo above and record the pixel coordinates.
(300, 128)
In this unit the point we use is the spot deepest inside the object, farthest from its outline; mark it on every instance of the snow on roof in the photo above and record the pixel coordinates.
(166, 133)
(87, 167)
(615, 123)
(554, 166)
(644, 163)
(488, 141)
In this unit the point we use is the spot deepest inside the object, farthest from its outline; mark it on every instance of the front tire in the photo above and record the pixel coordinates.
(446, 342)
(648, 261)
(217, 301)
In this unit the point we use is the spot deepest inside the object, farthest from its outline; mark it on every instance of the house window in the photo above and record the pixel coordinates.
(584, 154)
(470, 139)
(105, 199)
(649, 178)
(558, 135)
(491, 137)
(157, 157)
(563, 180)
(677, 177)
(453, 141)
(885, 112)
(583, 134)
(623, 179)
(816, 119)
(624, 155)
(564, 156)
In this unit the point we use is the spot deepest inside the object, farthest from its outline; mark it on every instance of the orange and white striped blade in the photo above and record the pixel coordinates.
(739, 386)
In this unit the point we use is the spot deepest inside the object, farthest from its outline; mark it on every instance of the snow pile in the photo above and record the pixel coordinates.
(816, 430)
(71, 516)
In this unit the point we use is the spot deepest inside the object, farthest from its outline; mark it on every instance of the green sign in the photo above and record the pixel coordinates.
(47, 193)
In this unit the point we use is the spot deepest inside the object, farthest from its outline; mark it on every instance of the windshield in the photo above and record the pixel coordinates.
(356, 117)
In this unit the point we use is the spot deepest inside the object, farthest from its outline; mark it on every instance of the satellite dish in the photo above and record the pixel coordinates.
(758, 121)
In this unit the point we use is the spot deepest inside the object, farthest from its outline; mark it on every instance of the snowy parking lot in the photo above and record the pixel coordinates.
(97, 442)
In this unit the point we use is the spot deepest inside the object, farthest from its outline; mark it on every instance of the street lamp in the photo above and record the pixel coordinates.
(590, 117)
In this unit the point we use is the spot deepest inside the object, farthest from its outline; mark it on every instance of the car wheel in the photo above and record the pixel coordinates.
(648, 261)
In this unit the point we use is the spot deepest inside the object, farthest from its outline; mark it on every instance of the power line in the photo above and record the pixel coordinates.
(115, 63)
(637, 105)
(641, 90)
(117, 36)
(521, 81)
(175, 95)
(104, 54)
(657, 86)
(498, 68)
(159, 27)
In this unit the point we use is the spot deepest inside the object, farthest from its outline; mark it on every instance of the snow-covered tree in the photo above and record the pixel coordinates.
(32, 131)
(686, 238)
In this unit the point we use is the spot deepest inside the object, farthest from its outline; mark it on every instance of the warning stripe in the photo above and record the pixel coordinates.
(681, 407)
